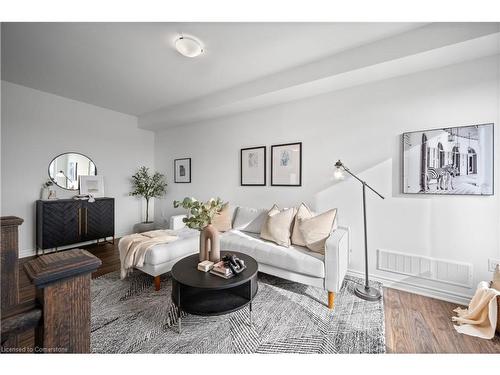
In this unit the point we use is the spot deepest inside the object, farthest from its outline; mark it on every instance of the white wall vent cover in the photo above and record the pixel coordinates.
(445, 271)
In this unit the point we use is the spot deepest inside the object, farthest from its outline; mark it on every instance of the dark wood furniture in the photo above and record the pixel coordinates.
(9, 250)
(202, 293)
(68, 221)
(63, 292)
(60, 314)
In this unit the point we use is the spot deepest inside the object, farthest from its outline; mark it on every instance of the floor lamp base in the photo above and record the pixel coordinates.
(367, 293)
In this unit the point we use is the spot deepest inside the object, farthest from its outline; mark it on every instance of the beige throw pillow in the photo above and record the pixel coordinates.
(316, 230)
(302, 213)
(277, 226)
(222, 221)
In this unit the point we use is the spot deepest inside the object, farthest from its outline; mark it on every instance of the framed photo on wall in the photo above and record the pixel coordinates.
(286, 164)
(92, 185)
(182, 170)
(453, 161)
(253, 166)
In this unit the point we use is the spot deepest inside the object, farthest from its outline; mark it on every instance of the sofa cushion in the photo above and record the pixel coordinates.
(294, 258)
(277, 226)
(223, 220)
(187, 243)
(316, 230)
(302, 213)
(249, 219)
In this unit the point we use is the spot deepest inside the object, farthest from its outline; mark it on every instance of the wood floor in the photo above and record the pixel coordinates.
(413, 323)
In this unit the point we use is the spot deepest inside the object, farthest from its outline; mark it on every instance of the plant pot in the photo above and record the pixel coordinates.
(209, 244)
(144, 227)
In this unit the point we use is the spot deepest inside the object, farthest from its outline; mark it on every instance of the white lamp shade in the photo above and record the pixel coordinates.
(188, 47)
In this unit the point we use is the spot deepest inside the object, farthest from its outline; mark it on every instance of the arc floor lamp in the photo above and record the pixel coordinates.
(365, 292)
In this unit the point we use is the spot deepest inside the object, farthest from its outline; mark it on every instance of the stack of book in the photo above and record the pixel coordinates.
(205, 266)
(220, 269)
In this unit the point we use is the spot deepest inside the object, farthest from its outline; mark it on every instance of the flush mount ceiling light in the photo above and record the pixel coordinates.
(188, 46)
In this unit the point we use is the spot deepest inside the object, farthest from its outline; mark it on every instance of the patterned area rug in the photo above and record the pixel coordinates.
(129, 316)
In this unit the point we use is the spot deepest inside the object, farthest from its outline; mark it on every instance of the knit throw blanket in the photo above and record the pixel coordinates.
(133, 247)
(480, 318)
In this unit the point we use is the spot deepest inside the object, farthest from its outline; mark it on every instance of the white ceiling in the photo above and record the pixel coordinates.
(133, 68)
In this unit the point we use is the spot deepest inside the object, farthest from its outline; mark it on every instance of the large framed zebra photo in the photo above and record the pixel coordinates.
(453, 160)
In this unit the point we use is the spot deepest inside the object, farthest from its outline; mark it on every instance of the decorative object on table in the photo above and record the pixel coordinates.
(147, 186)
(205, 266)
(92, 185)
(277, 225)
(201, 215)
(253, 166)
(454, 160)
(478, 319)
(286, 164)
(66, 169)
(45, 191)
(182, 170)
(365, 292)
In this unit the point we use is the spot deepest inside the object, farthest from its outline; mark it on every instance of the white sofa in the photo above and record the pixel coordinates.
(293, 263)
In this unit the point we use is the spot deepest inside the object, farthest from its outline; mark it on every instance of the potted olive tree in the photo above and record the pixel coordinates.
(147, 186)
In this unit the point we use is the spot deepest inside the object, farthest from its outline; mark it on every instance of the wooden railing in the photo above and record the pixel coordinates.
(61, 312)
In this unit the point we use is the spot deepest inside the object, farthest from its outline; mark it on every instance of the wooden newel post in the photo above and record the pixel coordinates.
(63, 290)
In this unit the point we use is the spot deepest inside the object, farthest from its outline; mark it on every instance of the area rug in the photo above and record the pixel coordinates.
(129, 316)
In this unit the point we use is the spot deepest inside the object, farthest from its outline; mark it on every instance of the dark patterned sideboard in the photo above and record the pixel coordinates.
(64, 222)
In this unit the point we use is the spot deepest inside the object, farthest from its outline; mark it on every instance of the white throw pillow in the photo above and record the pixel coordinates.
(316, 230)
(302, 213)
(278, 225)
(249, 219)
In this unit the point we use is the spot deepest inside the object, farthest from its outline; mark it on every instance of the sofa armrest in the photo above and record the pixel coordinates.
(176, 222)
(337, 249)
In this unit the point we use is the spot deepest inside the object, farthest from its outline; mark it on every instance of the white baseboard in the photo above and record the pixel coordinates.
(423, 290)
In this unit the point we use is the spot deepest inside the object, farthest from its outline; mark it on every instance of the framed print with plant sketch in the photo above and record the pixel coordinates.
(253, 166)
(286, 164)
(182, 170)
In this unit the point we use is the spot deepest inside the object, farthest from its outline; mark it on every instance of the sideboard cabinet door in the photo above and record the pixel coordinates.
(100, 218)
(60, 223)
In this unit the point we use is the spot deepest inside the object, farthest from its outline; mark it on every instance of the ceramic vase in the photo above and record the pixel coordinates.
(209, 244)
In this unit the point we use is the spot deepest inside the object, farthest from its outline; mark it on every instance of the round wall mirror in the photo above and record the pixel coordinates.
(65, 169)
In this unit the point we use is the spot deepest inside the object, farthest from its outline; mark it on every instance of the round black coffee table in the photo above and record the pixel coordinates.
(202, 293)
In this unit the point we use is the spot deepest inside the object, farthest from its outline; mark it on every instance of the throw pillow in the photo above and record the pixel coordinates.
(249, 219)
(222, 221)
(277, 226)
(302, 213)
(317, 229)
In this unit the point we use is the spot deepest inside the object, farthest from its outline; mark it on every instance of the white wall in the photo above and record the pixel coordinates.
(361, 126)
(37, 126)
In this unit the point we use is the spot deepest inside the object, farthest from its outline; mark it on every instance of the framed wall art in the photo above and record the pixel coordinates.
(93, 185)
(253, 166)
(286, 164)
(182, 170)
(452, 160)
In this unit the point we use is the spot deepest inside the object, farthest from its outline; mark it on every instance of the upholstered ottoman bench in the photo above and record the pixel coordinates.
(160, 258)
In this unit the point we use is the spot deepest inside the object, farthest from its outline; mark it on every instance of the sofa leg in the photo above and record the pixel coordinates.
(157, 283)
(331, 300)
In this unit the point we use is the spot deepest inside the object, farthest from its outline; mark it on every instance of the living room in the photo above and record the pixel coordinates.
(339, 176)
